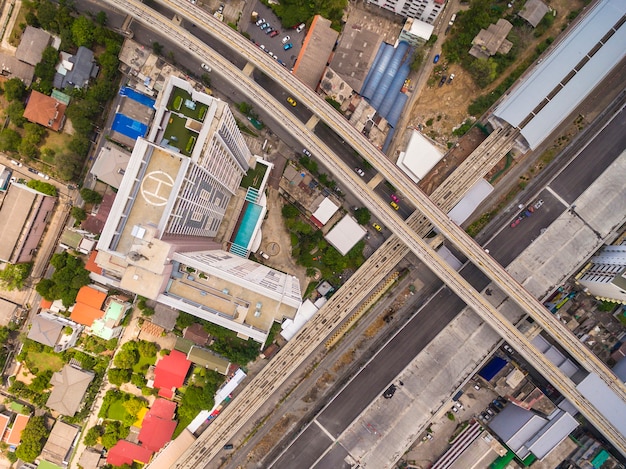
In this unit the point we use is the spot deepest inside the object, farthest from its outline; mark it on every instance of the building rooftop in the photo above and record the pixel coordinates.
(13, 68)
(315, 53)
(44, 110)
(533, 11)
(125, 452)
(70, 385)
(15, 434)
(492, 40)
(83, 68)
(59, 444)
(156, 432)
(553, 89)
(208, 359)
(45, 330)
(111, 164)
(32, 45)
(162, 408)
(420, 156)
(196, 334)
(345, 234)
(171, 370)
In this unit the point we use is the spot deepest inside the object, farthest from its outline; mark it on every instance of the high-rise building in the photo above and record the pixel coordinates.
(159, 239)
(605, 275)
(423, 10)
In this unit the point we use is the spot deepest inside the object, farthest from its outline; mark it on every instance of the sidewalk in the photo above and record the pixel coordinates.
(16, 4)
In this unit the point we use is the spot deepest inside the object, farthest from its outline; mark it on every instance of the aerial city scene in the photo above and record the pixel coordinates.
(333, 234)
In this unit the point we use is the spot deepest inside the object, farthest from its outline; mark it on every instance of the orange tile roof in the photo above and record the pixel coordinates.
(85, 314)
(16, 431)
(91, 297)
(91, 265)
(44, 110)
(45, 304)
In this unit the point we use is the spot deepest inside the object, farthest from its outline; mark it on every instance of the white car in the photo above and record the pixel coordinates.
(260, 22)
(300, 27)
(306, 152)
(286, 39)
(205, 67)
(360, 172)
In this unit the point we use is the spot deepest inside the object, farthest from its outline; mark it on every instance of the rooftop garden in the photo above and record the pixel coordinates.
(254, 176)
(180, 136)
(181, 102)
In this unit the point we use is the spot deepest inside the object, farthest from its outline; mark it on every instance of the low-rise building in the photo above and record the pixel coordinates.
(109, 325)
(76, 70)
(54, 331)
(70, 385)
(316, 51)
(88, 306)
(58, 447)
(208, 359)
(416, 32)
(492, 40)
(32, 44)
(45, 110)
(605, 275)
(29, 212)
(533, 11)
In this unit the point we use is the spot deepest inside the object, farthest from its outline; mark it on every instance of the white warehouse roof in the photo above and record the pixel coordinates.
(345, 234)
(470, 201)
(419, 157)
(568, 74)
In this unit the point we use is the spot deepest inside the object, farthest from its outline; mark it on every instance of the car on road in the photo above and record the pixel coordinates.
(228, 446)
(507, 348)
(274, 33)
(71, 187)
(286, 39)
(205, 67)
(389, 392)
(300, 27)
(288, 46)
(394, 205)
(377, 227)
(436, 59)
(359, 171)
(32, 170)
(17, 163)
(260, 22)
(395, 198)
(291, 101)
(538, 204)
(306, 152)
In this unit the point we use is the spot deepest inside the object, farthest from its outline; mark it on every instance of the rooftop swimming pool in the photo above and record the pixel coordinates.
(249, 222)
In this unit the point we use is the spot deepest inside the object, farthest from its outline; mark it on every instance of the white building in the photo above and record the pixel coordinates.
(159, 240)
(423, 10)
(419, 157)
(415, 32)
(605, 275)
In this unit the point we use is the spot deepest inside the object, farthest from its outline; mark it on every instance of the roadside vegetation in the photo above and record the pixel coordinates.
(14, 275)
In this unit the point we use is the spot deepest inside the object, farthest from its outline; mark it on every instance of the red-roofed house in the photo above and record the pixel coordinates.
(45, 304)
(125, 452)
(88, 306)
(163, 409)
(45, 110)
(170, 372)
(156, 432)
(15, 435)
(91, 265)
(4, 423)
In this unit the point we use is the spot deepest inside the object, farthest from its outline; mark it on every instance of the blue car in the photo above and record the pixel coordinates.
(436, 59)
(288, 46)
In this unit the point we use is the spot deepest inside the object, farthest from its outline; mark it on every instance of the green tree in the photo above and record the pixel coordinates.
(80, 145)
(14, 90)
(14, 275)
(28, 150)
(93, 435)
(68, 165)
(101, 18)
(33, 438)
(15, 112)
(138, 380)
(119, 376)
(47, 16)
(290, 211)
(90, 196)
(133, 406)
(113, 432)
(82, 32)
(483, 71)
(147, 349)
(157, 48)
(45, 288)
(9, 140)
(362, 215)
(78, 214)
(126, 358)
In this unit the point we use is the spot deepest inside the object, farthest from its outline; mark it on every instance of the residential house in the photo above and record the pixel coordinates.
(76, 70)
(208, 359)
(109, 326)
(60, 443)
(32, 44)
(125, 452)
(88, 305)
(70, 385)
(158, 425)
(50, 329)
(170, 373)
(45, 110)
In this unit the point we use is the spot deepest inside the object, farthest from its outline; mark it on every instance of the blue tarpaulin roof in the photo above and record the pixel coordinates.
(492, 368)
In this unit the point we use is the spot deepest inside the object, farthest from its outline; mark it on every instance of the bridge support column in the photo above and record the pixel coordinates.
(248, 69)
(312, 122)
(375, 181)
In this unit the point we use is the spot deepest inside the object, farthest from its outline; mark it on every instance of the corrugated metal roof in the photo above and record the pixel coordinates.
(557, 69)
(605, 400)
(552, 434)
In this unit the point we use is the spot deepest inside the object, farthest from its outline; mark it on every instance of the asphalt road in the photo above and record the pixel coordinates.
(433, 316)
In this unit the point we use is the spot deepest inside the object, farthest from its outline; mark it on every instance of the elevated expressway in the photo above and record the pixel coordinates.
(309, 338)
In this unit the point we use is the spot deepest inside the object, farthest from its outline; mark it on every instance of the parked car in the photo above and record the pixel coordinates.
(477, 387)
(32, 170)
(450, 78)
(228, 446)
(17, 163)
(260, 22)
(395, 198)
(507, 348)
(436, 59)
(274, 33)
(205, 67)
(442, 81)
(269, 30)
(389, 392)
(291, 101)
(538, 204)
(288, 46)
(359, 171)
(286, 39)
(265, 25)
(300, 27)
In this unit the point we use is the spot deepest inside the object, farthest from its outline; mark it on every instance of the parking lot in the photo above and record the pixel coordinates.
(275, 44)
